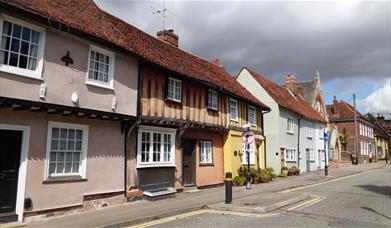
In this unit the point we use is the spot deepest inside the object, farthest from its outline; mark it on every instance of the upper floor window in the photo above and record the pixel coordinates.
(206, 152)
(213, 100)
(233, 110)
(21, 47)
(289, 125)
(174, 90)
(67, 149)
(309, 131)
(321, 133)
(101, 67)
(252, 115)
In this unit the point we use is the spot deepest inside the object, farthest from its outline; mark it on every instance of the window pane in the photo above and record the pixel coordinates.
(35, 36)
(13, 59)
(63, 144)
(76, 157)
(23, 61)
(53, 156)
(5, 43)
(71, 145)
(60, 168)
(15, 45)
(24, 48)
(68, 167)
(52, 168)
(17, 31)
(63, 133)
(3, 57)
(32, 63)
(33, 50)
(54, 144)
(75, 168)
(60, 157)
(26, 34)
(7, 28)
(79, 134)
(78, 145)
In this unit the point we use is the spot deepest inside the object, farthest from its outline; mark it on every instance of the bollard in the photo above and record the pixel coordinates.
(228, 187)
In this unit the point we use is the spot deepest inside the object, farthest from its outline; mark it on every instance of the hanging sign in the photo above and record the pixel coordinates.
(248, 137)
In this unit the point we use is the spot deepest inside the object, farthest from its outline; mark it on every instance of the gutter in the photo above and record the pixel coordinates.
(298, 143)
(263, 132)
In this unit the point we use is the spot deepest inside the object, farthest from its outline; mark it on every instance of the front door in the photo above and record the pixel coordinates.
(10, 149)
(189, 161)
(307, 159)
(282, 156)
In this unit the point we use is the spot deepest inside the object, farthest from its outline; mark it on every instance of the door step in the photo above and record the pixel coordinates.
(159, 192)
(8, 217)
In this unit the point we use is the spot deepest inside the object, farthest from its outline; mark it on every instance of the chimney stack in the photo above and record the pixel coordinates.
(291, 84)
(380, 119)
(217, 62)
(168, 36)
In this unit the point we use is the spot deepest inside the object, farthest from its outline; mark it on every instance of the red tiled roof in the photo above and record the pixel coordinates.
(287, 99)
(87, 17)
(342, 110)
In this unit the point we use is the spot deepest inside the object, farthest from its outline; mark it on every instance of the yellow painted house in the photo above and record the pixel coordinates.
(234, 149)
(382, 139)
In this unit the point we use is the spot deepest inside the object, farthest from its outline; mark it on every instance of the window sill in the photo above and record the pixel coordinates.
(64, 179)
(235, 120)
(290, 161)
(206, 164)
(173, 101)
(91, 83)
(290, 132)
(21, 72)
(309, 137)
(151, 165)
(212, 109)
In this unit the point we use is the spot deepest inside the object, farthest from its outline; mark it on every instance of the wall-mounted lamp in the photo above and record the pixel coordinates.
(67, 59)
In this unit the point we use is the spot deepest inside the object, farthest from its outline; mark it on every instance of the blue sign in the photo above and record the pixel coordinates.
(325, 136)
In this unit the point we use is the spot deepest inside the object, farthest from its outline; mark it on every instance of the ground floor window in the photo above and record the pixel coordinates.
(206, 156)
(310, 154)
(290, 155)
(156, 146)
(67, 149)
(250, 149)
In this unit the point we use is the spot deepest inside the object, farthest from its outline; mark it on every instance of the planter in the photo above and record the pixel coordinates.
(284, 172)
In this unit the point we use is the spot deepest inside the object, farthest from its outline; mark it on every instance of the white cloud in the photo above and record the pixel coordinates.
(379, 101)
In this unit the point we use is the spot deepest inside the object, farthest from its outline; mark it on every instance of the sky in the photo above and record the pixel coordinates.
(349, 42)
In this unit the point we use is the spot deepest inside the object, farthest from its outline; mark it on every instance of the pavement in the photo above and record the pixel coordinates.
(142, 211)
(358, 200)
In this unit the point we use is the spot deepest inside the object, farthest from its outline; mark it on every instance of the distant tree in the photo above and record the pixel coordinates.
(371, 117)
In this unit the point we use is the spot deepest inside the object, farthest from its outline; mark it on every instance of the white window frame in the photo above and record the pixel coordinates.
(83, 157)
(290, 128)
(321, 133)
(250, 107)
(236, 117)
(176, 82)
(252, 153)
(310, 131)
(37, 73)
(159, 130)
(110, 81)
(290, 155)
(214, 105)
(204, 149)
(312, 155)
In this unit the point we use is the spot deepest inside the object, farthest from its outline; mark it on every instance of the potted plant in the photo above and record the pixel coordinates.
(290, 172)
(284, 170)
(242, 181)
(298, 171)
(265, 178)
(294, 170)
(236, 181)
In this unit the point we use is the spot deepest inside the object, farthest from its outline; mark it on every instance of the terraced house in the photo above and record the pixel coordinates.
(293, 129)
(360, 137)
(92, 107)
(66, 96)
(192, 113)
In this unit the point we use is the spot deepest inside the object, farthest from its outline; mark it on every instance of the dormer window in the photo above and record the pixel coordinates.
(21, 47)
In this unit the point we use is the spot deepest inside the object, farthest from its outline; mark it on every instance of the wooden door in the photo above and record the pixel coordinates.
(282, 156)
(308, 161)
(189, 161)
(10, 149)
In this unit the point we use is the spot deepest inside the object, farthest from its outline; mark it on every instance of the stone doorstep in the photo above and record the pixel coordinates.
(257, 209)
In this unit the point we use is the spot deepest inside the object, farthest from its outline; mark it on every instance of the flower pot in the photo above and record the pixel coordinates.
(284, 171)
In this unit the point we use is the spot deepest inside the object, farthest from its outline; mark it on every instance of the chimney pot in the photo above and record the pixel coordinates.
(290, 82)
(380, 119)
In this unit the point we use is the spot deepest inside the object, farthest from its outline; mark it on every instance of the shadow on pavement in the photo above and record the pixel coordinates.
(371, 210)
(384, 190)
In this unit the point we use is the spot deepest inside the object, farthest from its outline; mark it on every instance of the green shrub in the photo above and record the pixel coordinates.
(242, 172)
(282, 175)
(284, 168)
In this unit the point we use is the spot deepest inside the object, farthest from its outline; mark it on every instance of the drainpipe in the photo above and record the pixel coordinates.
(263, 132)
(127, 127)
(298, 142)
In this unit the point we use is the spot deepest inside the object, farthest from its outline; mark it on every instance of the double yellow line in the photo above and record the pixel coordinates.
(307, 203)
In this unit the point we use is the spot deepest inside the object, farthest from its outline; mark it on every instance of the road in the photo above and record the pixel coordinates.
(362, 200)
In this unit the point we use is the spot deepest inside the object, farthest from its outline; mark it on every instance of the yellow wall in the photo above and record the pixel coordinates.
(232, 143)
(382, 142)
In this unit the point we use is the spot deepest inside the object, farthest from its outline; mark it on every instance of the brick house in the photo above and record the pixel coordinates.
(341, 114)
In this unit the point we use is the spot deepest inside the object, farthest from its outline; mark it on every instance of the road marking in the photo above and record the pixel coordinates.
(172, 218)
(320, 183)
(306, 204)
